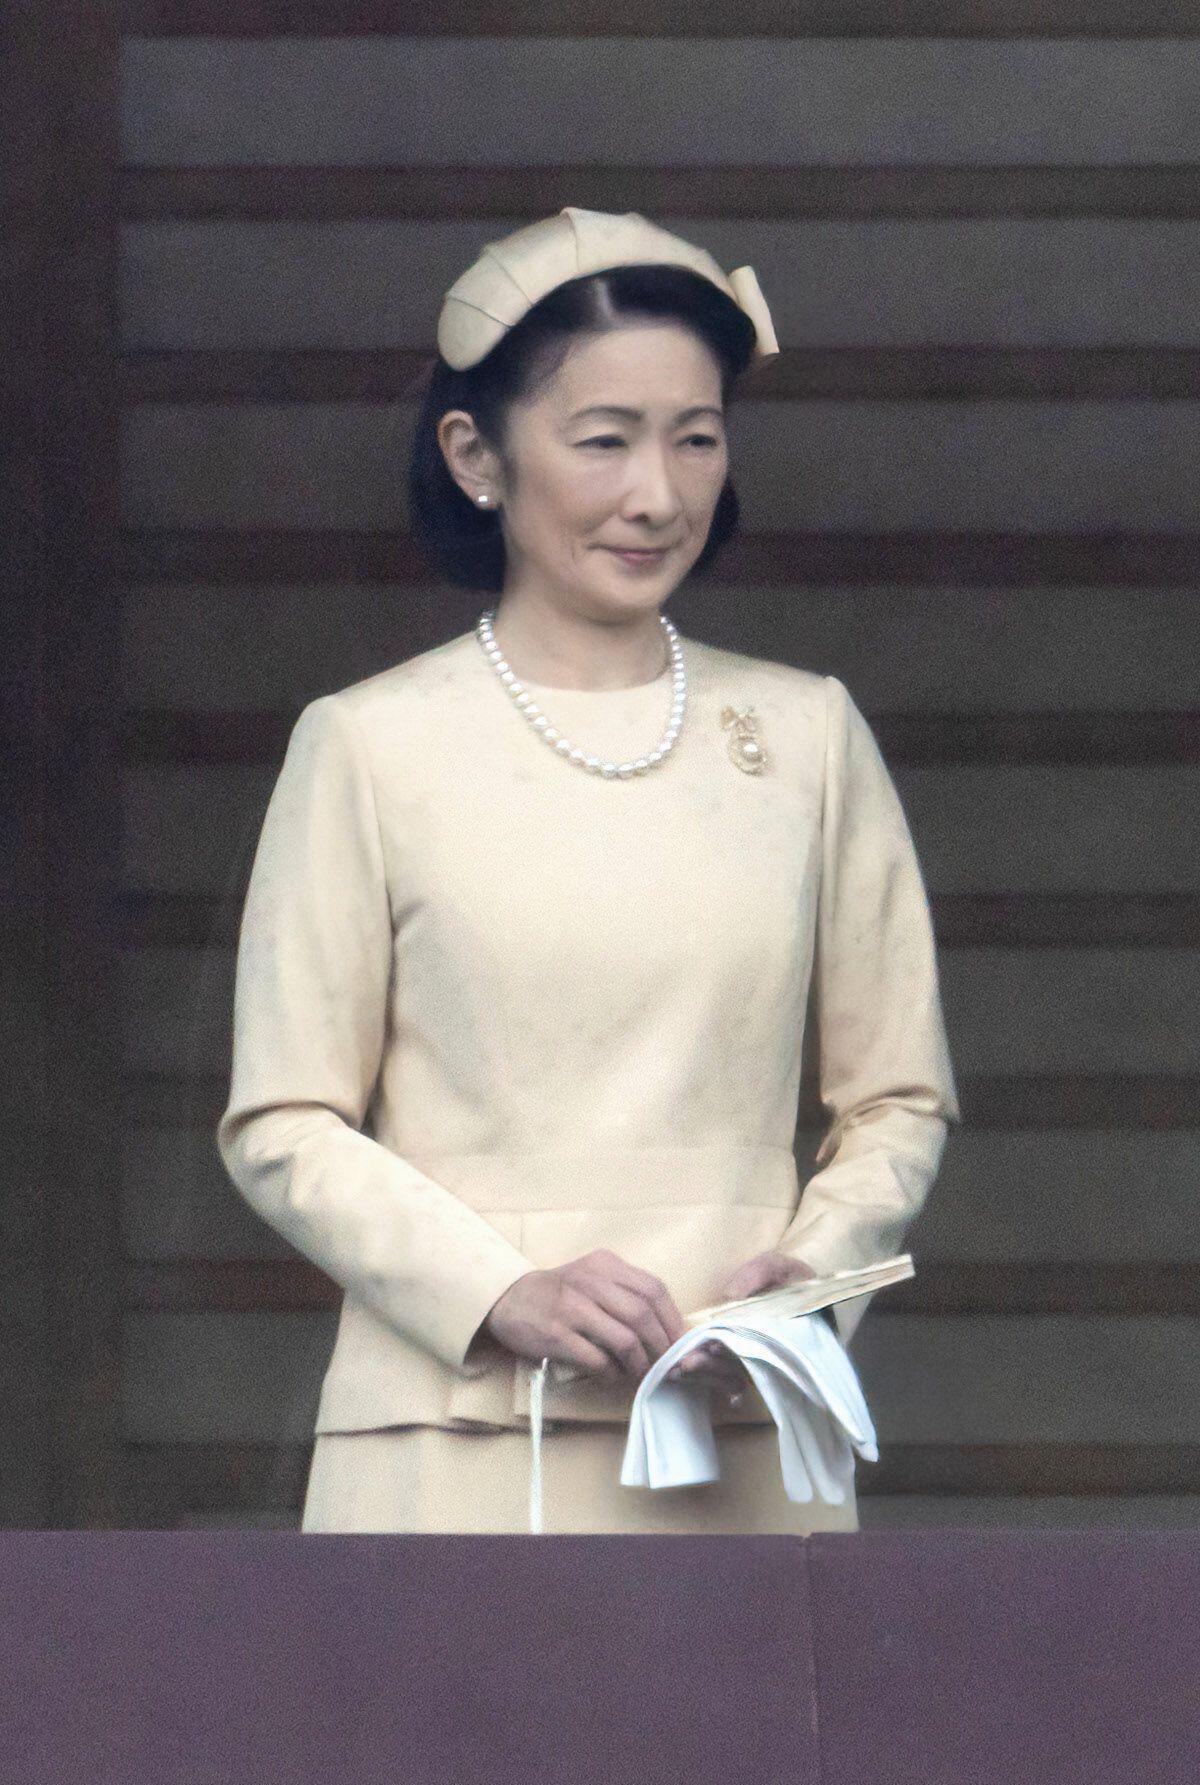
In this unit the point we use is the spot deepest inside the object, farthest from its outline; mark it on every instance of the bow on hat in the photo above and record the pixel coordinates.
(511, 275)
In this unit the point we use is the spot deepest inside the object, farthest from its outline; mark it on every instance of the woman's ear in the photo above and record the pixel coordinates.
(472, 464)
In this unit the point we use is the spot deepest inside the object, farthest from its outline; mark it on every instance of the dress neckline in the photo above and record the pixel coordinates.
(553, 692)
(589, 696)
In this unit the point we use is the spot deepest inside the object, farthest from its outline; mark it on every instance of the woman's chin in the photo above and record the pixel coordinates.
(633, 591)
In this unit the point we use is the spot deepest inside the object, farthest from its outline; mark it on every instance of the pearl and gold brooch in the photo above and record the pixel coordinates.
(744, 746)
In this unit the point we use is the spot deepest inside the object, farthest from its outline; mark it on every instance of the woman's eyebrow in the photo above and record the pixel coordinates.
(636, 414)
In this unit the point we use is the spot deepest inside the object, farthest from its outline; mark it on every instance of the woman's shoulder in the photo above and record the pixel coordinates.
(739, 672)
(438, 673)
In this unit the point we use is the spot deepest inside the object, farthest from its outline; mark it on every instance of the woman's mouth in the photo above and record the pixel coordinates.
(637, 559)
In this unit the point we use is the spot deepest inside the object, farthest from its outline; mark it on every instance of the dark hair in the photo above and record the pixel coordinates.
(467, 542)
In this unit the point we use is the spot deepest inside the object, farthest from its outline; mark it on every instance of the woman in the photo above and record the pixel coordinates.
(557, 957)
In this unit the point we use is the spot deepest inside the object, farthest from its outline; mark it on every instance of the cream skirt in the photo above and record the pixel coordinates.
(436, 1479)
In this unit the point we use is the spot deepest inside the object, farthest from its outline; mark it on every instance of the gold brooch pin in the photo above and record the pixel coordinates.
(744, 746)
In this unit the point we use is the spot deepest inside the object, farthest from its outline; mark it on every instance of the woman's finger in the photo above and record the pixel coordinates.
(633, 1310)
(720, 1371)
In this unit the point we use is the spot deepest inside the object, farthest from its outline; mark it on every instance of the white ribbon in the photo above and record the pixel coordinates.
(537, 1385)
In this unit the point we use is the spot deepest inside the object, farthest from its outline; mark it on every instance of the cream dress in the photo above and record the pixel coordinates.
(493, 1012)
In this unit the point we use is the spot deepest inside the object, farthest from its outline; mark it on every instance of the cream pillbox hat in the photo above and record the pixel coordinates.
(511, 275)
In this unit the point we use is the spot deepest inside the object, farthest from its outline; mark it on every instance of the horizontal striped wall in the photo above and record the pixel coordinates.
(1055, 1379)
(1048, 1010)
(823, 466)
(1005, 1199)
(371, 285)
(414, 101)
(969, 489)
(979, 828)
(231, 648)
(673, 19)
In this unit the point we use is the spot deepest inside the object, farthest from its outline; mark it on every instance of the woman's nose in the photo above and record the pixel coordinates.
(654, 491)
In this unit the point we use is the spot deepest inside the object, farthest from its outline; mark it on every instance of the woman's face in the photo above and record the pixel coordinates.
(625, 447)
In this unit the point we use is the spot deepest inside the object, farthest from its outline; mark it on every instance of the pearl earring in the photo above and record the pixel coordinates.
(482, 499)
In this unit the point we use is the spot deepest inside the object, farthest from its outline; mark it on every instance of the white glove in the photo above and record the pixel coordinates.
(809, 1385)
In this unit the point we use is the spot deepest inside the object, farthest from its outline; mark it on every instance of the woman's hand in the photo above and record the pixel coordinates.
(766, 1270)
(598, 1312)
(612, 1320)
(712, 1364)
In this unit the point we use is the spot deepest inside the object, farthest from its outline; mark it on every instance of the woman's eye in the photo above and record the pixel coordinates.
(616, 440)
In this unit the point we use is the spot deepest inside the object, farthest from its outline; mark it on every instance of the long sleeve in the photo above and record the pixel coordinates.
(315, 956)
(885, 1071)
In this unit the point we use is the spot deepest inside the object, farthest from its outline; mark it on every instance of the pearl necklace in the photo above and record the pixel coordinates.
(595, 765)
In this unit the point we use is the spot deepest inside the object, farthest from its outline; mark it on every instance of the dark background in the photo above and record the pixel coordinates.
(970, 489)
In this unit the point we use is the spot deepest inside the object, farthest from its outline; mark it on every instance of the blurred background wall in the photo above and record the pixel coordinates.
(969, 488)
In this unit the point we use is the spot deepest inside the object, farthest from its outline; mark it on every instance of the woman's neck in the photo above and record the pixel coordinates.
(578, 654)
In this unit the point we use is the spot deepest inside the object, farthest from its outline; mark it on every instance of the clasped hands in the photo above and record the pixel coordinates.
(613, 1320)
